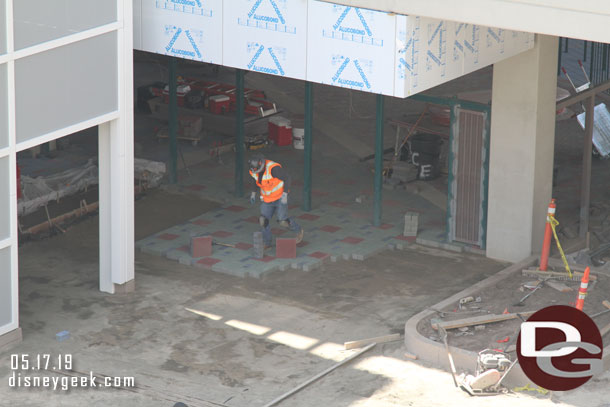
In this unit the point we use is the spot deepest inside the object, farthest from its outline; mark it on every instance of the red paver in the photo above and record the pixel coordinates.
(318, 193)
(196, 187)
(330, 228)
(251, 219)
(309, 216)
(201, 246)
(208, 261)
(222, 233)
(243, 246)
(352, 240)
(202, 222)
(265, 259)
(338, 204)
(407, 238)
(285, 248)
(319, 255)
(168, 236)
(235, 208)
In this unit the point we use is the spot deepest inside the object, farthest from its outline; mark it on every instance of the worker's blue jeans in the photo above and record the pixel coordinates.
(267, 210)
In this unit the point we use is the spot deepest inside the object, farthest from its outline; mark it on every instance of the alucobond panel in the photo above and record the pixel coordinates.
(66, 86)
(6, 295)
(3, 107)
(351, 47)
(190, 29)
(38, 21)
(268, 36)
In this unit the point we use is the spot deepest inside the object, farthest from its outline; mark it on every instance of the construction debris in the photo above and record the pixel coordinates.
(364, 342)
(480, 320)
(557, 275)
(561, 287)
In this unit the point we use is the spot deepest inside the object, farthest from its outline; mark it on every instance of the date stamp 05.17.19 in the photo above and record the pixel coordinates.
(57, 373)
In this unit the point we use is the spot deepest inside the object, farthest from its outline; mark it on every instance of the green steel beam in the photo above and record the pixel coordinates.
(240, 153)
(308, 146)
(173, 121)
(378, 161)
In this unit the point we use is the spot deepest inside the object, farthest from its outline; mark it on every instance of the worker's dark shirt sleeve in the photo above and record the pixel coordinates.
(281, 173)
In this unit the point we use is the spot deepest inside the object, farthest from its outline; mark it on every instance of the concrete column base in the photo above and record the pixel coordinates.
(125, 288)
(10, 339)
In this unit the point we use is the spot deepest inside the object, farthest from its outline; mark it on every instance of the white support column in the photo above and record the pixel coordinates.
(116, 167)
(522, 147)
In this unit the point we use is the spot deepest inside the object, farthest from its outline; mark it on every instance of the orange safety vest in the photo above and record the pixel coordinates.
(271, 188)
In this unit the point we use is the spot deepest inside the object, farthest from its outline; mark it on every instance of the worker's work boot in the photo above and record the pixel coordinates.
(300, 236)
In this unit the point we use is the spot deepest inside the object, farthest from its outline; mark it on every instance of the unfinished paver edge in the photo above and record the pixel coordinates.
(435, 353)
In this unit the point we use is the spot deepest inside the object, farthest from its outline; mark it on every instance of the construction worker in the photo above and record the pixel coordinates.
(273, 183)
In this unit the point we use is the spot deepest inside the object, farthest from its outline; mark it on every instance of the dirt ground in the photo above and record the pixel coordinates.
(260, 338)
(503, 296)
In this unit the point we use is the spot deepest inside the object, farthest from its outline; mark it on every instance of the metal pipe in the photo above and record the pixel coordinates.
(173, 121)
(378, 161)
(240, 153)
(308, 146)
(585, 188)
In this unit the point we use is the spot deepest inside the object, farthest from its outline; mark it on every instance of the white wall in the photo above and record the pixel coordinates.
(585, 19)
(65, 65)
(321, 42)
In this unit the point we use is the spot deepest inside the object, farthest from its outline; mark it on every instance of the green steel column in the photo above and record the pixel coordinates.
(240, 154)
(173, 121)
(378, 162)
(308, 146)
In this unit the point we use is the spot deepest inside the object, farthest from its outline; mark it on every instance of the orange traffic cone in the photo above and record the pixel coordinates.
(582, 291)
(548, 235)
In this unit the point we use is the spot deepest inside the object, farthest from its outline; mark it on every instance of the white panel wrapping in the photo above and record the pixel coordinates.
(268, 36)
(190, 29)
(350, 47)
(323, 42)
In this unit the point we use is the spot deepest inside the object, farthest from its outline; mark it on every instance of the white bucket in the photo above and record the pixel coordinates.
(298, 138)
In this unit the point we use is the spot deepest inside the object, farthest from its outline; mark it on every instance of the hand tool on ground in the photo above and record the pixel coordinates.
(224, 244)
(443, 333)
(520, 303)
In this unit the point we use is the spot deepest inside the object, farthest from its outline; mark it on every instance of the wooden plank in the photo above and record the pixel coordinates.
(606, 303)
(604, 330)
(561, 287)
(480, 320)
(556, 274)
(364, 342)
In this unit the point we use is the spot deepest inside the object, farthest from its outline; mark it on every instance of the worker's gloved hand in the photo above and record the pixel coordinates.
(252, 198)
(284, 198)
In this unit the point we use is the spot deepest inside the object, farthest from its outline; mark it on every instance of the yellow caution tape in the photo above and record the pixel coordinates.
(555, 222)
(527, 387)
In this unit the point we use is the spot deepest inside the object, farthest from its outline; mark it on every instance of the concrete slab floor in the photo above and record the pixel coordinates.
(260, 338)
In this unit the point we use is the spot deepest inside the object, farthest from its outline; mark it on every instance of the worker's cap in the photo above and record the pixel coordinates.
(256, 163)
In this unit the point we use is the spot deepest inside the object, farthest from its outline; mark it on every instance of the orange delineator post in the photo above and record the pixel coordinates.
(548, 235)
(582, 291)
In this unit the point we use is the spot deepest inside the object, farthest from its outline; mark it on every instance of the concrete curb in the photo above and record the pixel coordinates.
(435, 353)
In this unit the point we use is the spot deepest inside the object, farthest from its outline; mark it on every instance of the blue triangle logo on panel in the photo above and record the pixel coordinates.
(268, 17)
(361, 29)
(437, 38)
(361, 80)
(274, 68)
(192, 53)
